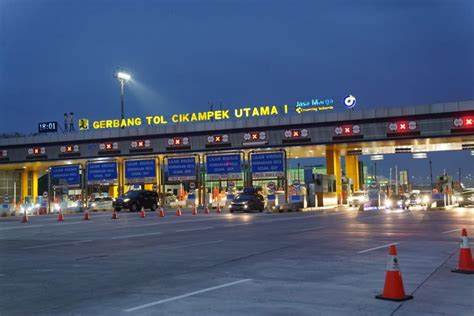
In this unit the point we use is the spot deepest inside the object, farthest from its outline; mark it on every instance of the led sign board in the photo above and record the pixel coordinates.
(182, 169)
(140, 171)
(267, 165)
(102, 172)
(66, 175)
(223, 167)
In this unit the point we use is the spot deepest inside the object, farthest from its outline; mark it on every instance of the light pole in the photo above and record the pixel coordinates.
(431, 175)
(122, 77)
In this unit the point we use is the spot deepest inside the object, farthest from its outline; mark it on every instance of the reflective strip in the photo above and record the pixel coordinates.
(392, 263)
(464, 242)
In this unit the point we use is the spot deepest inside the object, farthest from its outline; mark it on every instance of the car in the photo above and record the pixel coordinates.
(136, 199)
(414, 200)
(465, 198)
(395, 201)
(357, 198)
(247, 201)
(101, 204)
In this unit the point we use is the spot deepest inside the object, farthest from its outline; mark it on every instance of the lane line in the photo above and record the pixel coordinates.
(194, 244)
(193, 229)
(450, 231)
(138, 235)
(235, 225)
(306, 229)
(384, 246)
(57, 244)
(19, 227)
(185, 295)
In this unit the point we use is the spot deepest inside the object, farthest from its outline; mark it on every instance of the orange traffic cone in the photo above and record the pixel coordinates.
(393, 289)
(60, 216)
(194, 211)
(206, 211)
(142, 213)
(24, 220)
(114, 214)
(465, 265)
(162, 212)
(87, 216)
(218, 209)
(178, 211)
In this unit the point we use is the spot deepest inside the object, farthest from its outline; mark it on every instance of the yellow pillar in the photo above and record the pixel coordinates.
(121, 176)
(352, 170)
(34, 185)
(113, 191)
(24, 185)
(333, 167)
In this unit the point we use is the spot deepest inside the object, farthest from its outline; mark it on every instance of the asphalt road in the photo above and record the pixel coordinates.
(314, 263)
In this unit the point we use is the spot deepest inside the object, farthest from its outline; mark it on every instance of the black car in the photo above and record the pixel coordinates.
(248, 201)
(135, 200)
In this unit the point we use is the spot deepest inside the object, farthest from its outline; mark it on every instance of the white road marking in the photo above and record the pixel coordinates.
(185, 295)
(235, 225)
(19, 227)
(306, 229)
(138, 235)
(195, 244)
(450, 231)
(384, 246)
(193, 229)
(58, 244)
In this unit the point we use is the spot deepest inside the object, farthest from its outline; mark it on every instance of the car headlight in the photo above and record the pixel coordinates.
(460, 199)
(56, 207)
(388, 203)
(126, 200)
(22, 209)
(246, 206)
(426, 199)
(94, 204)
(37, 205)
(418, 201)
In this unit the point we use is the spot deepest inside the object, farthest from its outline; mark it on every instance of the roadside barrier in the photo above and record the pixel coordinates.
(465, 265)
(393, 289)
(142, 212)
(162, 212)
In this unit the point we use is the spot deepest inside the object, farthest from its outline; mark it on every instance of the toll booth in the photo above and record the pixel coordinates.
(322, 190)
(66, 185)
(223, 178)
(102, 179)
(268, 173)
(180, 181)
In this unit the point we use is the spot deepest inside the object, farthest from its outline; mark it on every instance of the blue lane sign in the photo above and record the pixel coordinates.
(223, 166)
(66, 174)
(140, 171)
(182, 169)
(102, 172)
(267, 165)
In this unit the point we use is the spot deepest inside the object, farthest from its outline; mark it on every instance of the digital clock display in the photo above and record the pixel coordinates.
(48, 127)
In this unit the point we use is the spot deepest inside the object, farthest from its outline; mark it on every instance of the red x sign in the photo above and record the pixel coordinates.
(296, 133)
(140, 143)
(347, 130)
(254, 136)
(177, 141)
(108, 146)
(469, 122)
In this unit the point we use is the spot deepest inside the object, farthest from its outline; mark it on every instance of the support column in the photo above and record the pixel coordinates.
(121, 177)
(23, 185)
(352, 170)
(333, 167)
(34, 185)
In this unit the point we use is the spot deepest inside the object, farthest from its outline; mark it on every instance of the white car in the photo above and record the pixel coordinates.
(101, 204)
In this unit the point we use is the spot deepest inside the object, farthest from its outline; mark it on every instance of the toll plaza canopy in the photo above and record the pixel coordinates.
(383, 130)
(349, 129)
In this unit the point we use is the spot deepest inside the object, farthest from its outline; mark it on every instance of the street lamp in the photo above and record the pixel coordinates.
(122, 77)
